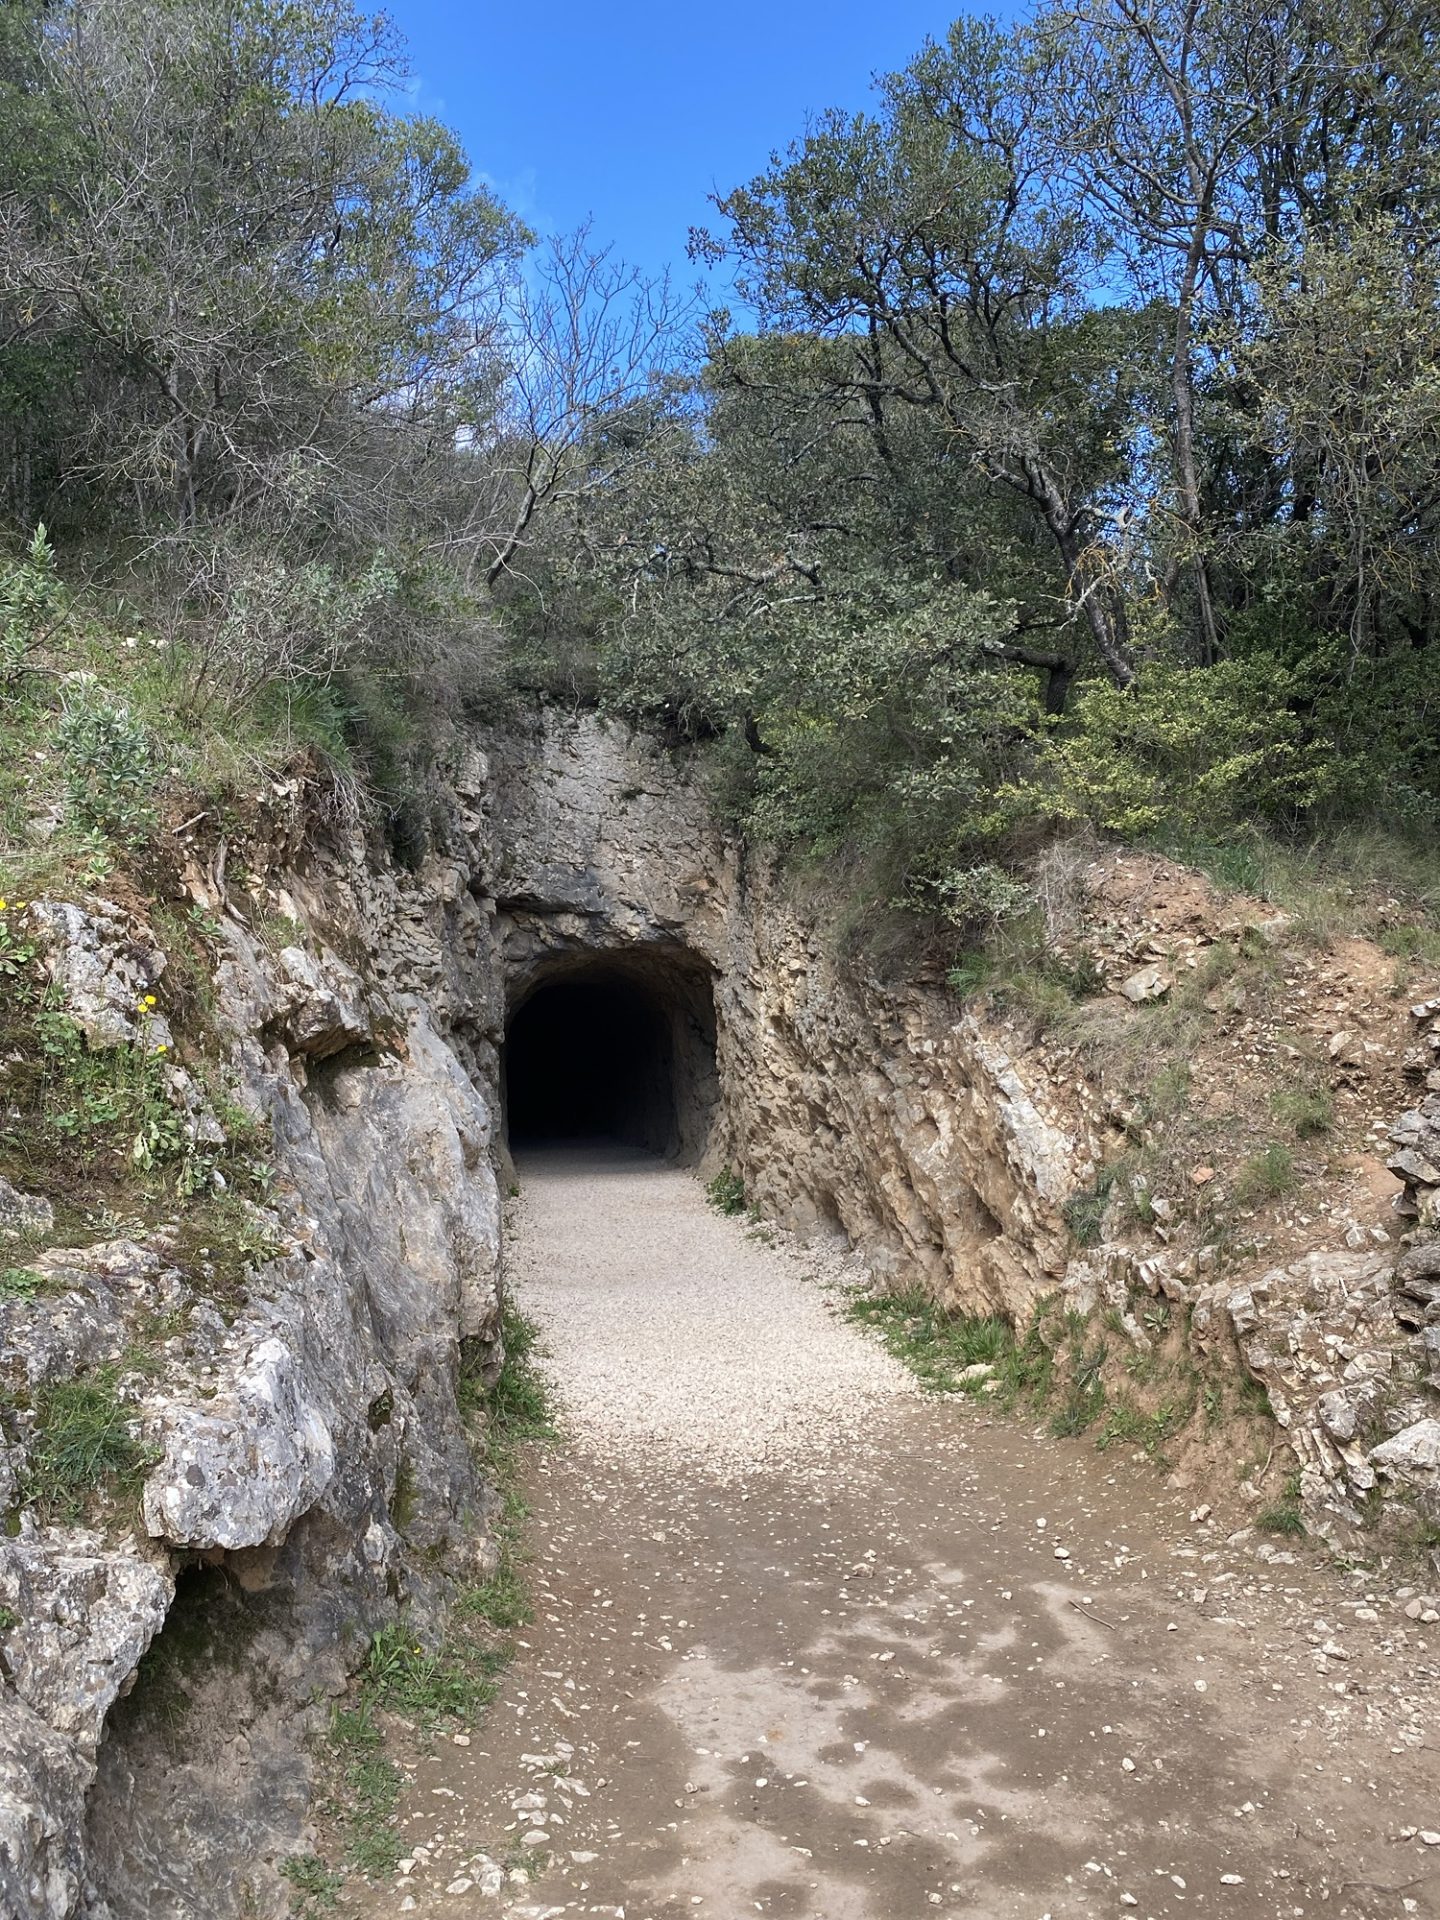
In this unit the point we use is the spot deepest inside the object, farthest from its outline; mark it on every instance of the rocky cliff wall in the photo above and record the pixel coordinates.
(307, 1478)
(966, 1153)
(307, 1475)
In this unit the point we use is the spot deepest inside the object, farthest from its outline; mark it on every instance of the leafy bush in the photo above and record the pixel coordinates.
(1185, 751)
(110, 767)
(726, 1192)
(32, 604)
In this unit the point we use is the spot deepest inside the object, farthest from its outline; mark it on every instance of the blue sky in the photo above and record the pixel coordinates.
(634, 112)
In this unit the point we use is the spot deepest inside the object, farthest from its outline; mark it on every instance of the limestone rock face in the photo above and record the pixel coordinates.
(280, 1430)
(88, 1613)
(103, 965)
(1412, 1459)
(851, 1106)
(24, 1212)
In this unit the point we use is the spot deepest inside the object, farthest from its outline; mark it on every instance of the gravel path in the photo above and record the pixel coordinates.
(675, 1334)
(809, 1645)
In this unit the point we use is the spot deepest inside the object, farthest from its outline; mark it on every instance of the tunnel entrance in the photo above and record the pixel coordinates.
(617, 1049)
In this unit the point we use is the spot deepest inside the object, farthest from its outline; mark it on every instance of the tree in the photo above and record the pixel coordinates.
(924, 240)
(273, 274)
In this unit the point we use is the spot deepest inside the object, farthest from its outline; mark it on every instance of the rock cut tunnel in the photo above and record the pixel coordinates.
(613, 1047)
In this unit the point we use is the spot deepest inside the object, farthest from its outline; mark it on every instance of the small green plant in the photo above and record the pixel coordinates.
(83, 1444)
(1266, 1175)
(20, 1283)
(32, 604)
(1084, 1211)
(17, 950)
(1307, 1111)
(726, 1192)
(970, 973)
(316, 1885)
(1084, 1396)
(110, 769)
(401, 1675)
(1284, 1515)
(1253, 1396)
(501, 1601)
(9, 1619)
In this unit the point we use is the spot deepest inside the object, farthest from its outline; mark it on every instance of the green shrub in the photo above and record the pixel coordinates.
(110, 768)
(1184, 751)
(726, 1192)
(32, 604)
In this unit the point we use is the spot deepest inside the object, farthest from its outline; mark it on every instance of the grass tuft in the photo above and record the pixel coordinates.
(83, 1446)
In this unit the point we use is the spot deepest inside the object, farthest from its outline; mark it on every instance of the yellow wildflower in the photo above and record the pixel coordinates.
(149, 999)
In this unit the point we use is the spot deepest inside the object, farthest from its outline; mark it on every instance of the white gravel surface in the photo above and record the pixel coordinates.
(672, 1328)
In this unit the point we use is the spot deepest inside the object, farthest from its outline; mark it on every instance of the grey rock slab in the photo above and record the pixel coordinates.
(238, 1470)
(87, 1613)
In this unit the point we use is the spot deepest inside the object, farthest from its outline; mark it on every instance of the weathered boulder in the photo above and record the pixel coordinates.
(85, 1613)
(104, 965)
(24, 1212)
(239, 1469)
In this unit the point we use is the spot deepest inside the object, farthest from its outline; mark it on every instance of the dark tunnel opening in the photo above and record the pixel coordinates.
(609, 1052)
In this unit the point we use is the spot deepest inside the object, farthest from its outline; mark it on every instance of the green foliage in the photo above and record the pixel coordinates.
(110, 769)
(1254, 1397)
(373, 1846)
(726, 1192)
(1084, 1211)
(32, 605)
(1189, 751)
(20, 1283)
(1308, 1111)
(401, 1676)
(1285, 1515)
(938, 1346)
(83, 1447)
(315, 1885)
(502, 1601)
(1266, 1175)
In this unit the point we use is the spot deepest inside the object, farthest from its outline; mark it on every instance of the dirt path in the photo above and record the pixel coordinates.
(887, 1655)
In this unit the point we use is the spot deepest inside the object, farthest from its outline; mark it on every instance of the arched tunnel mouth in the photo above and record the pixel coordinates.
(605, 1049)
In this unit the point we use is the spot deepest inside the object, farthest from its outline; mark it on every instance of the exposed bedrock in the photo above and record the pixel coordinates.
(851, 1106)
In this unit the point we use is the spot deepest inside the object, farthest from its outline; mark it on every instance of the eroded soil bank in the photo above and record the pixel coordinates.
(888, 1655)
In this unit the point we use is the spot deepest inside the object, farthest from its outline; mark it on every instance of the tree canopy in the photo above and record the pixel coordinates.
(1071, 447)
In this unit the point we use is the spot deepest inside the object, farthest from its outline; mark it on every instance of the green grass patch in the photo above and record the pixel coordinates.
(1266, 1175)
(1284, 1516)
(315, 1887)
(502, 1601)
(83, 1447)
(402, 1677)
(1307, 1111)
(938, 1346)
(1084, 1211)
